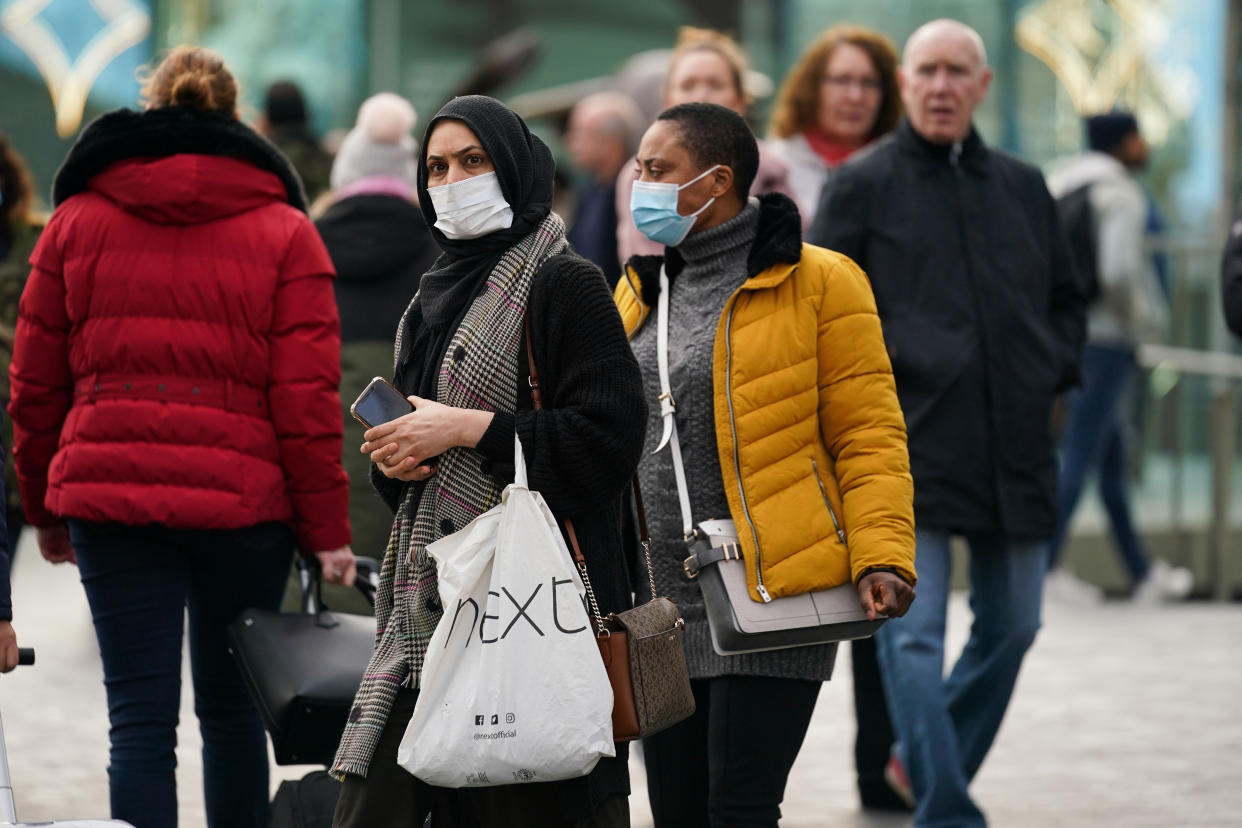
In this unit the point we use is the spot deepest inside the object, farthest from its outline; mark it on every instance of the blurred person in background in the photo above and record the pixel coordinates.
(603, 133)
(485, 188)
(8, 637)
(812, 469)
(19, 232)
(1231, 275)
(710, 67)
(178, 431)
(285, 121)
(840, 96)
(1105, 217)
(380, 246)
(984, 320)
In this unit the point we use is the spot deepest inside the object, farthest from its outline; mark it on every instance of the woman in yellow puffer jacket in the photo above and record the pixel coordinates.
(788, 423)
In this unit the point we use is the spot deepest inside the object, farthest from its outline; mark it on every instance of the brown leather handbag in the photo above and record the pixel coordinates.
(641, 647)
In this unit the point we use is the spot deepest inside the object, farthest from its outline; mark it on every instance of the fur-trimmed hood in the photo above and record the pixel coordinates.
(778, 240)
(177, 165)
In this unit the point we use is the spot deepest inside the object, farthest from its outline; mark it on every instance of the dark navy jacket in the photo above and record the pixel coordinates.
(983, 319)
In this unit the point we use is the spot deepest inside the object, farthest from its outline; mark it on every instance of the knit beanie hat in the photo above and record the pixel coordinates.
(380, 144)
(1105, 132)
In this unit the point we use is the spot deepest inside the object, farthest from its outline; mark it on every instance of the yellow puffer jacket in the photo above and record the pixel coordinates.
(806, 409)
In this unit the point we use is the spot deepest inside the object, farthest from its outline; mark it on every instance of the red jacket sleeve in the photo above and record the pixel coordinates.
(40, 381)
(304, 376)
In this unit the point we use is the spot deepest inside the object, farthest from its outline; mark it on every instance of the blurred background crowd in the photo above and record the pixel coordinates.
(591, 75)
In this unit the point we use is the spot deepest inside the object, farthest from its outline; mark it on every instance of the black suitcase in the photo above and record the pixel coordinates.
(302, 669)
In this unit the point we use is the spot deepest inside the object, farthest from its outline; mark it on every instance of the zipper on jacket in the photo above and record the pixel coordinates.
(737, 459)
(824, 494)
(955, 157)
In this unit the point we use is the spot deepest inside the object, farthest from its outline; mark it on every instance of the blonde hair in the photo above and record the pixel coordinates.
(691, 39)
(797, 104)
(194, 77)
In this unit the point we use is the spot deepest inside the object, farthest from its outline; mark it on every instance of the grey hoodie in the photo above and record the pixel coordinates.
(1131, 308)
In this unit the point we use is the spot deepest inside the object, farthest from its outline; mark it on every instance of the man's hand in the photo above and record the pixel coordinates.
(883, 593)
(339, 566)
(54, 544)
(8, 647)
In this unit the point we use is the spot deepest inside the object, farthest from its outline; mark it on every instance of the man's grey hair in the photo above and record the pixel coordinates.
(946, 24)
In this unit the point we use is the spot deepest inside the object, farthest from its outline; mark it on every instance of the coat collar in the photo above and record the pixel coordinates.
(157, 133)
(972, 152)
(778, 241)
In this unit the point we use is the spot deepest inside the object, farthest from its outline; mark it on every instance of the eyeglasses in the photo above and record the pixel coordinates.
(844, 82)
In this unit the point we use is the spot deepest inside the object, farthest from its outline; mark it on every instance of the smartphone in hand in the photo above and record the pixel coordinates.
(380, 402)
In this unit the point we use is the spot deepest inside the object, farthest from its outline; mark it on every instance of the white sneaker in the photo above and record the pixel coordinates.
(1164, 583)
(1062, 587)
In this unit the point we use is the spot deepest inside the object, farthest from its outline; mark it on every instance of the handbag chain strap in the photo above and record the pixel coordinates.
(536, 398)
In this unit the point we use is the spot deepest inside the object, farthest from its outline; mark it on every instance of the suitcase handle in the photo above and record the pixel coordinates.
(310, 575)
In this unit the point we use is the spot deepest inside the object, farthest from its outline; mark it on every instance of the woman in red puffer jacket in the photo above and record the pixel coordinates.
(176, 418)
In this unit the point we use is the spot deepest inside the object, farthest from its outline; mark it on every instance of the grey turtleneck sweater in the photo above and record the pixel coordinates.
(715, 267)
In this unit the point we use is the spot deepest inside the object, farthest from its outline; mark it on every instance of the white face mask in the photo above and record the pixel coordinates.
(471, 208)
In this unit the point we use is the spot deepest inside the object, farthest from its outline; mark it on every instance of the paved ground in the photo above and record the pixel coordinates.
(1123, 716)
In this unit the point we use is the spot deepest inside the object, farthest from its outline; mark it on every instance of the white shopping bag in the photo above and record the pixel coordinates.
(513, 688)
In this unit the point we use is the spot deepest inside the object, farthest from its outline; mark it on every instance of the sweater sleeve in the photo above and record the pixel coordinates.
(583, 447)
(41, 384)
(303, 393)
(863, 426)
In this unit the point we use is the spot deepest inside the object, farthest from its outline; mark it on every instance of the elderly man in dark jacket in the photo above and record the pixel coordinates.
(984, 321)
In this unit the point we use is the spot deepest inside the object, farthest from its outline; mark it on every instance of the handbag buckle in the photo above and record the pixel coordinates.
(685, 566)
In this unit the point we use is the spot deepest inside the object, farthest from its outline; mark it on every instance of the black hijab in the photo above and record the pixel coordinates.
(525, 170)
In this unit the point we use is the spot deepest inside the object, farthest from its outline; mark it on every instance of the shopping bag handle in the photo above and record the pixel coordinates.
(536, 399)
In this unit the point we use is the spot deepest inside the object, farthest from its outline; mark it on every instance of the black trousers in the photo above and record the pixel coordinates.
(726, 766)
(875, 736)
(390, 797)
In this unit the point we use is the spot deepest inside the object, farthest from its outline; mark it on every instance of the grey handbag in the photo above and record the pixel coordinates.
(739, 623)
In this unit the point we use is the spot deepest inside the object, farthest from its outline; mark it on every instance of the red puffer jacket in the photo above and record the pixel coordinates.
(178, 348)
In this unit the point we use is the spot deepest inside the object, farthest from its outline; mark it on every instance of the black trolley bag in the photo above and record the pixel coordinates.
(302, 669)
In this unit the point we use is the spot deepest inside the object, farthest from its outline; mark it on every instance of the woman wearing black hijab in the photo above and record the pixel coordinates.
(485, 186)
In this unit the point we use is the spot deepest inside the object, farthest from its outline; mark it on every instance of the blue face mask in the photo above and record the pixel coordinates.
(654, 207)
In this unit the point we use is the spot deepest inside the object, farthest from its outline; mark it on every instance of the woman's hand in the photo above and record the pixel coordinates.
(338, 566)
(8, 647)
(400, 448)
(883, 593)
(54, 544)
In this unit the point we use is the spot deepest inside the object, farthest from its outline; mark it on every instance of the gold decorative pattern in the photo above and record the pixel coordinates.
(69, 81)
(1101, 68)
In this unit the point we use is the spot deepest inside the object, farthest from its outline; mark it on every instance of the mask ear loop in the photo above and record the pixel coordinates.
(691, 181)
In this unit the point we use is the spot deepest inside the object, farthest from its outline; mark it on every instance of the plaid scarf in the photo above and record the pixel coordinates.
(479, 371)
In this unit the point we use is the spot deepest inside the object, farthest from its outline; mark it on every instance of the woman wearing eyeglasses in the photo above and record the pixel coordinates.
(839, 97)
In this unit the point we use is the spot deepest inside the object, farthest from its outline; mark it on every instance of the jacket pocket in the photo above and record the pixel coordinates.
(823, 493)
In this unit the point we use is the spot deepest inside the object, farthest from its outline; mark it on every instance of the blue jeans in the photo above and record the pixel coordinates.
(945, 726)
(1095, 439)
(139, 581)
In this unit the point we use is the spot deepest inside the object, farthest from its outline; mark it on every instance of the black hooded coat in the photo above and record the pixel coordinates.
(583, 447)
